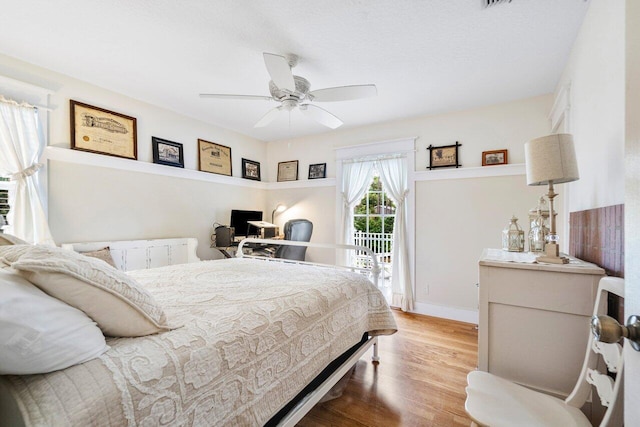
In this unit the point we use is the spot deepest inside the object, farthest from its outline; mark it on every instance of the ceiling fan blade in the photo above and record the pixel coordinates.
(245, 97)
(321, 116)
(280, 71)
(269, 117)
(343, 93)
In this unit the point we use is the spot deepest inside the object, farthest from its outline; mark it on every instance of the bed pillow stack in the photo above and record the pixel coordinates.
(117, 303)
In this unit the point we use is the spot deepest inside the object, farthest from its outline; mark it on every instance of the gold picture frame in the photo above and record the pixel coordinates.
(495, 157)
(214, 158)
(288, 171)
(101, 131)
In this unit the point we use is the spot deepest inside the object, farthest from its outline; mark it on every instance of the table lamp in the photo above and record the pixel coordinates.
(551, 160)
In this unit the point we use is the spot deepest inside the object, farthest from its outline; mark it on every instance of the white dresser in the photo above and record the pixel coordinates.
(534, 320)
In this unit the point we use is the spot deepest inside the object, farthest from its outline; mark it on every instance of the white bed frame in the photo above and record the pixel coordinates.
(143, 254)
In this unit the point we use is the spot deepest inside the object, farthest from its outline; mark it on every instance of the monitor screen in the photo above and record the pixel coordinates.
(239, 220)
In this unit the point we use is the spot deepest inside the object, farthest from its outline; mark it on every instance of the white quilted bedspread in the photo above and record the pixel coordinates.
(255, 333)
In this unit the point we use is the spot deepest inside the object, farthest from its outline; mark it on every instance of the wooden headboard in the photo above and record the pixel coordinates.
(597, 236)
(142, 254)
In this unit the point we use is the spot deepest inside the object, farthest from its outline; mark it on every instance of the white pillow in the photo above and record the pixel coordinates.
(39, 333)
(120, 306)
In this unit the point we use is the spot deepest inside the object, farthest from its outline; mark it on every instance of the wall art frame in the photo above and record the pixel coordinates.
(214, 158)
(250, 169)
(288, 171)
(495, 157)
(167, 153)
(444, 156)
(102, 131)
(318, 171)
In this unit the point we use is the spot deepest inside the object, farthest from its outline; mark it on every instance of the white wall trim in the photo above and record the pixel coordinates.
(401, 145)
(99, 160)
(475, 172)
(451, 313)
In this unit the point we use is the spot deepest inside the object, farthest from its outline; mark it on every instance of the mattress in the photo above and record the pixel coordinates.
(251, 335)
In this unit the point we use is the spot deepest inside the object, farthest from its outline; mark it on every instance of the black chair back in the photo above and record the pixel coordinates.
(297, 230)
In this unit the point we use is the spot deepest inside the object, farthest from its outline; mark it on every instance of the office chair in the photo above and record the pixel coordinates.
(494, 401)
(297, 230)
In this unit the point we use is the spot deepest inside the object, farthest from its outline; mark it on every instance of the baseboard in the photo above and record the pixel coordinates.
(452, 313)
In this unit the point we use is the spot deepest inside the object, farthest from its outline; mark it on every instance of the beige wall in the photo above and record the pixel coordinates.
(595, 71)
(95, 203)
(455, 218)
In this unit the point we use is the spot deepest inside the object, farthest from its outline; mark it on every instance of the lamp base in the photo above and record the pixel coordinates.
(552, 255)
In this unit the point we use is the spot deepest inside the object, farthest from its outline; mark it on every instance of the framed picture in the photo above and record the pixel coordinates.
(288, 171)
(102, 131)
(214, 158)
(250, 169)
(495, 157)
(319, 170)
(167, 152)
(444, 156)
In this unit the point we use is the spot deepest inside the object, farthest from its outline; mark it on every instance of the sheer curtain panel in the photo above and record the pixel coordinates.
(21, 144)
(393, 174)
(356, 177)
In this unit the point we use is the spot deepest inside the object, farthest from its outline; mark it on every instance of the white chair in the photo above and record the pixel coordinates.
(494, 401)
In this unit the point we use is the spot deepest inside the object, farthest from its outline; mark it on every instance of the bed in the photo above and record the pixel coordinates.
(250, 342)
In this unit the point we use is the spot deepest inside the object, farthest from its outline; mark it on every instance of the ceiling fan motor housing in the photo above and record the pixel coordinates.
(302, 89)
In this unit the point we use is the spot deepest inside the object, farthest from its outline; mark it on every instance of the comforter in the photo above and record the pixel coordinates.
(252, 335)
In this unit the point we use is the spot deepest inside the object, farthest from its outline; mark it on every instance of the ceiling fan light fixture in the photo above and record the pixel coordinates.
(291, 91)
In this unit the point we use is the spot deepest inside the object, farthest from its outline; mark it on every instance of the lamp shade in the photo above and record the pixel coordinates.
(551, 158)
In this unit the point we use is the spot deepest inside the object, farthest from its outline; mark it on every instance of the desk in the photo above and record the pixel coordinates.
(225, 250)
(266, 230)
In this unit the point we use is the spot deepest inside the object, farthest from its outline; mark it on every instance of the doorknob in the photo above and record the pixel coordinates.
(607, 329)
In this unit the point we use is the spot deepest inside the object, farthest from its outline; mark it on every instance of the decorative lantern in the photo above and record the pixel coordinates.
(513, 237)
(538, 226)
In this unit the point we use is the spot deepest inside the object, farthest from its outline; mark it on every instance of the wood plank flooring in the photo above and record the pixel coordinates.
(420, 380)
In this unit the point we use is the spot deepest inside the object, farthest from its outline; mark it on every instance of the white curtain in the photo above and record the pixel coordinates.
(21, 144)
(393, 174)
(356, 177)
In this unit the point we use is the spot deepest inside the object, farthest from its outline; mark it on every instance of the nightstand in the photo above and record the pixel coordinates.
(534, 320)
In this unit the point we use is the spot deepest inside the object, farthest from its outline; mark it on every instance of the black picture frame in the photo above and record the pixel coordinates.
(318, 171)
(250, 169)
(444, 156)
(167, 152)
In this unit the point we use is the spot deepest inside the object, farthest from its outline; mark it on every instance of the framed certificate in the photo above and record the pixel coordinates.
(214, 158)
(288, 171)
(102, 131)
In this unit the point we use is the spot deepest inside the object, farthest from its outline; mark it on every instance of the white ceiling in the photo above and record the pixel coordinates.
(425, 56)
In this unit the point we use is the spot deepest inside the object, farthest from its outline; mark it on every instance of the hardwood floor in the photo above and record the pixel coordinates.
(420, 380)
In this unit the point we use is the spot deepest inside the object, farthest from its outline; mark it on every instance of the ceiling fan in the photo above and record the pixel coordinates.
(293, 91)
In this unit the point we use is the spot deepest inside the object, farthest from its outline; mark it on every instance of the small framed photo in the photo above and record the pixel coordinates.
(495, 157)
(214, 158)
(102, 131)
(318, 170)
(251, 169)
(167, 153)
(288, 171)
(444, 156)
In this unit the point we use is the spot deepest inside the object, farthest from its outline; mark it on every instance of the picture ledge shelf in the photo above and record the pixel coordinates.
(99, 160)
(471, 172)
(90, 159)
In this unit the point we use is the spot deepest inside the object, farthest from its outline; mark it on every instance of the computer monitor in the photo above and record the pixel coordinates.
(239, 220)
